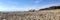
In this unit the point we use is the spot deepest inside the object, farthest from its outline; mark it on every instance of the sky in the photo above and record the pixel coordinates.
(25, 5)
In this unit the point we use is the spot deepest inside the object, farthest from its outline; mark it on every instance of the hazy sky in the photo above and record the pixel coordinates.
(24, 5)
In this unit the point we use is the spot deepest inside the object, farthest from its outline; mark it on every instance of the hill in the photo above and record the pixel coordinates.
(51, 8)
(53, 14)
